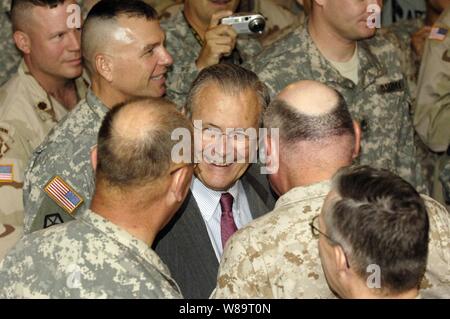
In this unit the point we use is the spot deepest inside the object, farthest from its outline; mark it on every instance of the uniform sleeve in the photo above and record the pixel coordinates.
(436, 282)
(239, 275)
(432, 112)
(14, 154)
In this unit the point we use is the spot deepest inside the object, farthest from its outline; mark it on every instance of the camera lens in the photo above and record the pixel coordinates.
(257, 25)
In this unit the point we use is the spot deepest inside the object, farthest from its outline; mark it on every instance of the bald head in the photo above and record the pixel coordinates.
(309, 111)
(135, 144)
(310, 98)
(103, 27)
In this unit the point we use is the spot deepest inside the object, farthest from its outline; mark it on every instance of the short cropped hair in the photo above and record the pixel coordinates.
(379, 218)
(126, 160)
(232, 79)
(295, 126)
(102, 17)
(20, 9)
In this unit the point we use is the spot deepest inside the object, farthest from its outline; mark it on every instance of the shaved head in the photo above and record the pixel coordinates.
(22, 11)
(104, 27)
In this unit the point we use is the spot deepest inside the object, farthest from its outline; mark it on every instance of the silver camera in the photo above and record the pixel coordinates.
(246, 23)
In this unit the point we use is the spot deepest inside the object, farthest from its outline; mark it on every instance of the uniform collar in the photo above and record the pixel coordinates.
(121, 236)
(370, 67)
(96, 105)
(298, 194)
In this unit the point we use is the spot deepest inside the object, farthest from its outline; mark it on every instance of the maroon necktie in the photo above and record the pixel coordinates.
(227, 225)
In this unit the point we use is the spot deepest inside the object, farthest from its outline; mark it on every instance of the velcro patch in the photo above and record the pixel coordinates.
(63, 195)
(6, 173)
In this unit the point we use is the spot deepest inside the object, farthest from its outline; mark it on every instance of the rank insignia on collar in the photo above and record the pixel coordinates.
(63, 195)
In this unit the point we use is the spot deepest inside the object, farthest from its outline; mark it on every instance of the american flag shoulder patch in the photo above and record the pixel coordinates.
(438, 33)
(6, 173)
(63, 195)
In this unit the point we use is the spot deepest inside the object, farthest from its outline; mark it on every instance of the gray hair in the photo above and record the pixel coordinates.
(232, 79)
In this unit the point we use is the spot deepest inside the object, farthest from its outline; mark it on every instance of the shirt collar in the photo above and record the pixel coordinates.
(302, 193)
(209, 199)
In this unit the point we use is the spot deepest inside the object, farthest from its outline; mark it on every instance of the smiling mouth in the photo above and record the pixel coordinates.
(157, 78)
(220, 164)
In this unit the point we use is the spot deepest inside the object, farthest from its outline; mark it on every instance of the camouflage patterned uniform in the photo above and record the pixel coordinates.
(432, 111)
(276, 255)
(10, 57)
(65, 154)
(185, 49)
(445, 180)
(380, 101)
(27, 113)
(400, 34)
(87, 258)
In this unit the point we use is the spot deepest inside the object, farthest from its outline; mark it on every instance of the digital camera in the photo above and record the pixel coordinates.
(246, 23)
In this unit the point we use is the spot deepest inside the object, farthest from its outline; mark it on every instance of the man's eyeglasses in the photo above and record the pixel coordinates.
(316, 232)
(211, 134)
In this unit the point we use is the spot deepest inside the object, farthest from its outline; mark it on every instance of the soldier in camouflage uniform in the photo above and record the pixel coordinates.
(432, 111)
(28, 110)
(276, 256)
(137, 71)
(196, 40)
(106, 252)
(367, 73)
(365, 221)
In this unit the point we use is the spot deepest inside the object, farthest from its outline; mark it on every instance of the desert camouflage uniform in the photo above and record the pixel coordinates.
(65, 153)
(86, 258)
(276, 256)
(10, 57)
(432, 111)
(185, 49)
(379, 102)
(27, 113)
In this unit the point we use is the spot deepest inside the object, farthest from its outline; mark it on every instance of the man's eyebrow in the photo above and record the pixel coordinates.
(57, 32)
(149, 47)
(212, 125)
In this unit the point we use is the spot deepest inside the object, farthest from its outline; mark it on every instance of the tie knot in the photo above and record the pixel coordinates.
(226, 202)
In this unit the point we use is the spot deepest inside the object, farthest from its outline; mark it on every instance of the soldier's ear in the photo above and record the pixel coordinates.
(104, 66)
(180, 182)
(22, 41)
(94, 157)
(357, 148)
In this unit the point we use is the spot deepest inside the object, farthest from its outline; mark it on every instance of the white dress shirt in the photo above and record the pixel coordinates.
(208, 201)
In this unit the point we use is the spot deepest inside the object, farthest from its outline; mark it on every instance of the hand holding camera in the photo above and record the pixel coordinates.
(219, 41)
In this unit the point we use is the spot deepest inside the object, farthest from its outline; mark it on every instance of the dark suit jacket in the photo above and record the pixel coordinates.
(184, 244)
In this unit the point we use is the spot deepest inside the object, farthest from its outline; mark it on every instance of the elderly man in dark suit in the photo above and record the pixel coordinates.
(225, 103)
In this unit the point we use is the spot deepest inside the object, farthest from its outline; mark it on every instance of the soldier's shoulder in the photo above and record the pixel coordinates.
(68, 131)
(287, 45)
(15, 96)
(385, 52)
